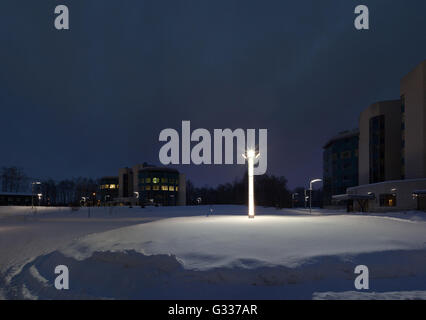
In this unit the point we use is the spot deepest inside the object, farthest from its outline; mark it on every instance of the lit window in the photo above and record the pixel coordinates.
(387, 200)
(155, 188)
(164, 188)
(177, 189)
(155, 180)
(112, 186)
(148, 180)
(147, 188)
(171, 188)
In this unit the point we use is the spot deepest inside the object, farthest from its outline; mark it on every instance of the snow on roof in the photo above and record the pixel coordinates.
(388, 182)
(342, 135)
(342, 197)
(419, 192)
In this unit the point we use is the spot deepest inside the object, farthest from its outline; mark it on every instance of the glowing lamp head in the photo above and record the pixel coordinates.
(250, 153)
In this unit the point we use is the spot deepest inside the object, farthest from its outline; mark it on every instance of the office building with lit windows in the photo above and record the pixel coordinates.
(392, 150)
(148, 185)
(340, 161)
(108, 189)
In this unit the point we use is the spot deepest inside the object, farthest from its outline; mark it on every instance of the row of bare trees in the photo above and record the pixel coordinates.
(270, 191)
(13, 179)
(68, 191)
(64, 192)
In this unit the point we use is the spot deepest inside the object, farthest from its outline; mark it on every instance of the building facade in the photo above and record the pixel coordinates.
(108, 189)
(392, 150)
(413, 123)
(380, 142)
(340, 164)
(148, 185)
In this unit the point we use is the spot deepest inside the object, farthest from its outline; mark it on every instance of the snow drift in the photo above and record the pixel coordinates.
(232, 257)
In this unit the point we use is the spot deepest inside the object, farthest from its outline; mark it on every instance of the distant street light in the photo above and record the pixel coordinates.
(306, 199)
(310, 192)
(250, 156)
(39, 199)
(137, 197)
(84, 200)
(292, 198)
(32, 192)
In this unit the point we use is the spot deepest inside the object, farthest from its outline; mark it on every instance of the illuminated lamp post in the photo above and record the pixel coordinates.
(293, 196)
(136, 193)
(310, 193)
(250, 156)
(32, 192)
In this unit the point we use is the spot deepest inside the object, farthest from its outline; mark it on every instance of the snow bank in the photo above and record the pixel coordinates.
(203, 243)
(232, 257)
(185, 254)
(132, 275)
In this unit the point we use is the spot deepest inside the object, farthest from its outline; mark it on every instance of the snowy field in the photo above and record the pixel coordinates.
(210, 253)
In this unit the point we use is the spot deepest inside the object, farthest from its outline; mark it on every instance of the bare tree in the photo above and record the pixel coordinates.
(13, 179)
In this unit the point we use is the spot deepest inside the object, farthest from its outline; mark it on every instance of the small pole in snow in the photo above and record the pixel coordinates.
(210, 212)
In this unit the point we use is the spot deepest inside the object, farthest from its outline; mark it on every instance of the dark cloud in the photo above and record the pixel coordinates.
(93, 99)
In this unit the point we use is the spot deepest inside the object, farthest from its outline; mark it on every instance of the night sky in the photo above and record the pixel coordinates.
(90, 100)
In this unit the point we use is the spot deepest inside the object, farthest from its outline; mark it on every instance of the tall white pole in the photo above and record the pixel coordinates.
(250, 156)
(250, 159)
(310, 193)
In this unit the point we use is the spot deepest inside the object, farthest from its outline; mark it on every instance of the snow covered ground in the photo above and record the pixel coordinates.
(188, 253)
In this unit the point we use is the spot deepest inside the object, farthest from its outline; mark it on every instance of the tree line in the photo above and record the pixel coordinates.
(270, 191)
(68, 191)
(13, 179)
(55, 193)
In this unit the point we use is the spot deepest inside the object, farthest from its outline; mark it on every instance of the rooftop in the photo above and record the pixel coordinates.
(342, 135)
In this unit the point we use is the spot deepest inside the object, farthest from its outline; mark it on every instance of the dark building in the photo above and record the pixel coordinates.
(392, 153)
(149, 185)
(108, 189)
(380, 142)
(17, 199)
(340, 161)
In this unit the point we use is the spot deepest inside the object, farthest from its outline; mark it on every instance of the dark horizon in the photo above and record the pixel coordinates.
(91, 100)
